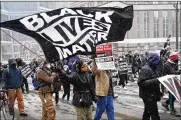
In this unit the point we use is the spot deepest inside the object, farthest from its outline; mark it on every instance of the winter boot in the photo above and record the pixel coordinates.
(174, 113)
(11, 111)
(165, 106)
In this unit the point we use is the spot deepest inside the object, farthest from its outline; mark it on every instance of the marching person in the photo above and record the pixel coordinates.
(123, 72)
(20, 64)
(45, 90)
(83, 90)
(12, 80)
(171, 68)
(104, 92)
(66, 84)
(149, 88)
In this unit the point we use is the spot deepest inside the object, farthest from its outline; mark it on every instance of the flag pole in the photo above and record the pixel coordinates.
(22, 44)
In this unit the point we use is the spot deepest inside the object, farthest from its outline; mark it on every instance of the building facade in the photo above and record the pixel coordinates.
(147, 24)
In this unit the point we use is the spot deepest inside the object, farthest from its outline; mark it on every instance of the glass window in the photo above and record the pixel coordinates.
(173, 24)
(4, 36)
(165, 23)
(16, 49)
(4, 17)
(156, 24)
(146, 24)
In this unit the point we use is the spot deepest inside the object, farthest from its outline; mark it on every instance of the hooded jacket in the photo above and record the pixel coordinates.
(83, 89)
(171, 68)
(12, 77)
(149, 87)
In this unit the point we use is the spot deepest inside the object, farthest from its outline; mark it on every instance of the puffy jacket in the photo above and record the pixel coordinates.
(83, 88)
(11, 77)
(101, 80)
(171, 68)
(149, 86)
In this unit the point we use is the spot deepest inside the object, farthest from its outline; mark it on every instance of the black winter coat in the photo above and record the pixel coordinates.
(171, 68)
(149, 86)
(84, 92)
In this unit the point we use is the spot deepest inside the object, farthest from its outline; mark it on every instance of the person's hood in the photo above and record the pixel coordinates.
(11, 61)
(171, 61)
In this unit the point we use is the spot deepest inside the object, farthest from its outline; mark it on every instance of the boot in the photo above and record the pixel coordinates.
(11, 111)
(174, 113)
(165, 106)
(27, 91)
(23, 114)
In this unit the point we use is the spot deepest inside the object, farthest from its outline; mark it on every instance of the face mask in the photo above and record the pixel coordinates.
(175, 61)
(14, 64)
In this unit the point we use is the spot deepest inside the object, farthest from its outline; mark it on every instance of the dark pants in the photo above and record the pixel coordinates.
(105, 103)
(66, 88)
(25, 83)
(171, 101)
(56, 97)
(150, 110)
(122, 79)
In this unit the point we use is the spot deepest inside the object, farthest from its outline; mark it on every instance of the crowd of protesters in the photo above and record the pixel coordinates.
(92, 85)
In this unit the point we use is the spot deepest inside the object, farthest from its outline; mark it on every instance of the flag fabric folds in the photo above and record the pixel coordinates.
(65, 32)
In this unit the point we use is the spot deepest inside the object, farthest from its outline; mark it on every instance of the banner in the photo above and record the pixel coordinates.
(173, 85)
(26, 71)
(65, 32)
(105, 60)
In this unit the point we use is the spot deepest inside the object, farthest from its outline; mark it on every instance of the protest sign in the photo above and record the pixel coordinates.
(105, 60)
(26, 71)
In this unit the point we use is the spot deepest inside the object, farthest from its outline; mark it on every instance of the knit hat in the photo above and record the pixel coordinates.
(174, 56)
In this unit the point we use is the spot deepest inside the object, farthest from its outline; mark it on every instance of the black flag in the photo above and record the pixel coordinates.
(65, 32)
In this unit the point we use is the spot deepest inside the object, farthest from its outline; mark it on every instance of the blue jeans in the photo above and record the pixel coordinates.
(105, 103)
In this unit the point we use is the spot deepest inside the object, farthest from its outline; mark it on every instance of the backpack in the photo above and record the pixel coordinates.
(7, 76)
(35, 82)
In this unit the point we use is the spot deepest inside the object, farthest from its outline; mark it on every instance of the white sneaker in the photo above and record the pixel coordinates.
(125, 88)
(128, 84)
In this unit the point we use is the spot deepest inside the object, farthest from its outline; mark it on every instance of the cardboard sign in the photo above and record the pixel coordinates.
(26, 71)
(173, 85)
(105, 60)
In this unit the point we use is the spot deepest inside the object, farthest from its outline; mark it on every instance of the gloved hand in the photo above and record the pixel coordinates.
(93, 56)
(95, 99)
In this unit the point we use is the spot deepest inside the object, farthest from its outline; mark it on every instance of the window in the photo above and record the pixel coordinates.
(165, 23)
(4, 17)
(4, 36)
(138, 24)
(22, 6)
(156, 24)
(155, 2)
(16, 48)
(146, 24)
(173, 24)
